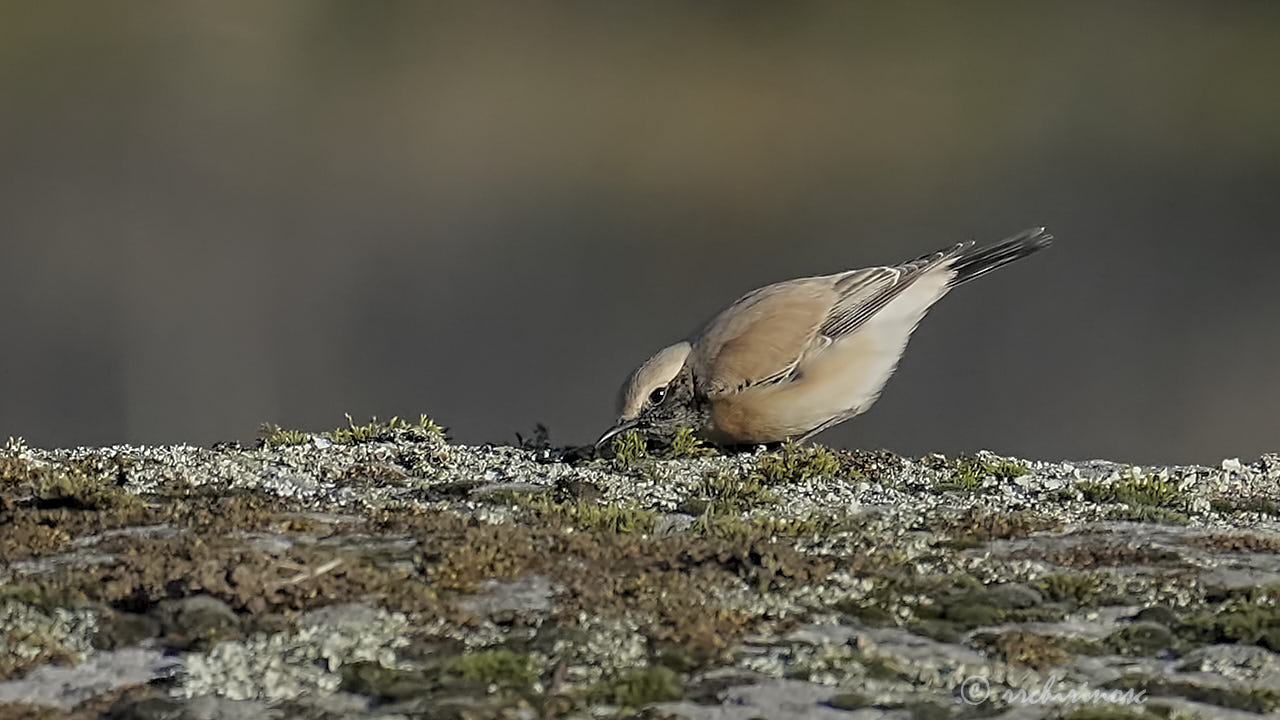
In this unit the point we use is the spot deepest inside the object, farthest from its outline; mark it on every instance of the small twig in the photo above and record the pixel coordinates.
(304, 576)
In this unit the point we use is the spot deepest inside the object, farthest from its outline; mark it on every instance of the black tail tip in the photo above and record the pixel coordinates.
(980, 261)
(1036, 237)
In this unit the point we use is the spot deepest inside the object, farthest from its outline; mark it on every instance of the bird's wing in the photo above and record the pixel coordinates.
(766, 335)
(761, 337)
(863, 293)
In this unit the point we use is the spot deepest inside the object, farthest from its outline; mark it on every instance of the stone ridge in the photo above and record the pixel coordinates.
(379, 571)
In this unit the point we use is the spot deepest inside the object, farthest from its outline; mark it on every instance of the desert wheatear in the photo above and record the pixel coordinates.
(792, 359)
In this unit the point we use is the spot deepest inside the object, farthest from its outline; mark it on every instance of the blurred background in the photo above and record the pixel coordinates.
(215, 214)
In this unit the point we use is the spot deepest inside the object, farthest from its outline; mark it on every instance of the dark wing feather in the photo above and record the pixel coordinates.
(863, 293)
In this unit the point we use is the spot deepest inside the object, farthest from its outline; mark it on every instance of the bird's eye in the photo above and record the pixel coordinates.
(657, 396)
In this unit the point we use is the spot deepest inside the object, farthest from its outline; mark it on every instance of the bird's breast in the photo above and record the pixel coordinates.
(757, 415)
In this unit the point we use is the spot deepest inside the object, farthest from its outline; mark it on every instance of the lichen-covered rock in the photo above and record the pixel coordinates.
(378, 571)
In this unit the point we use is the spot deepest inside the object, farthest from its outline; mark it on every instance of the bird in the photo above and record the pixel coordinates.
(792, 359)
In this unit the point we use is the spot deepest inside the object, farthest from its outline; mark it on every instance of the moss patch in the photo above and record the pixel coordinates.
(678, 580)
(685, 444)
(970, 474)
(764, 528)
(794, 464)
(43, 507)
(500, 667)
(1149, 514)
(979, 526)
(393, 430)
(1075, 588)
(630, 450)
(1255, 504)
(1141, 639)
(725, 493)
(1136, 490)
(29, 639)
(1026, 649)
(56, 487)
(1255, 700)
(640, 687)
(1237, 542)
(1103, 554)
(593, 517)
(1143, 498)
(273, 436)
(1252, 619)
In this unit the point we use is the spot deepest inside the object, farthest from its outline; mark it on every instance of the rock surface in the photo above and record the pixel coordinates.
(380, 572)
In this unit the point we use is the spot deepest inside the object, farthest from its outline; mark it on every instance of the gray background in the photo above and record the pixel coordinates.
(217, 214)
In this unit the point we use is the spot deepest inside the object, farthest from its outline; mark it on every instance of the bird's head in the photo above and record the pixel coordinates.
(658, 398)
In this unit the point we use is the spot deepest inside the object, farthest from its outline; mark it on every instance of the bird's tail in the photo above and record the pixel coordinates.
(977, 262)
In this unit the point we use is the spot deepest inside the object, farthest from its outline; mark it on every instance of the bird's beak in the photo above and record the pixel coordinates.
(621, 427)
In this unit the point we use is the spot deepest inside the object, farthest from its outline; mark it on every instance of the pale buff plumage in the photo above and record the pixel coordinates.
(791, 359)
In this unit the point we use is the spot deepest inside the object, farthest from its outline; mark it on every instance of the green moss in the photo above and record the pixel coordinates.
(971, 611)
(1261, 505)
(795, 464)
(970, 474)
(1255, 700)
(1076, 588)
(945, 607)
(593, 517)
(850, 701)
(967, 478)
(982, 525)
(684, 657)
(1144, 498)
(392, 430)
(500, 667)
(1149, 514)
(521, 495)
(686, 444)
(963, 603)
(923, 710)
(763, 528)
(824, 525)
(384, 684)
(1140, 639)
(54, 486)
(1007, 469)
(1264, 506)
(31, 643)
(711, 524)
(14, 471)
(880, 668)
(640, 687)
(39, 596)
(724, 493)
(1136, 490)
(273, 436)
(1253, 619)
(960, 544)
(870, 614)
(630, 450)
(1083, 646)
